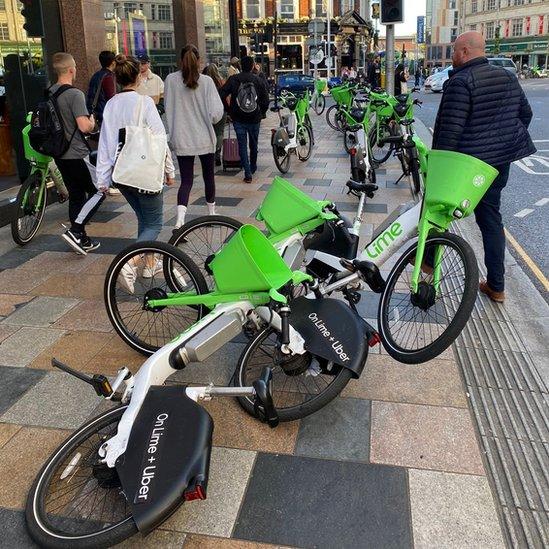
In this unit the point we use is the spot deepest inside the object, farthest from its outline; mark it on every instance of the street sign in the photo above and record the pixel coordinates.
(316, 56)
(420, 29)
(316, 26)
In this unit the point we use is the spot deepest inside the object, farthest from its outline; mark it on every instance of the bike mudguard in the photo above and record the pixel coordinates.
(332, 330)
(168, 453)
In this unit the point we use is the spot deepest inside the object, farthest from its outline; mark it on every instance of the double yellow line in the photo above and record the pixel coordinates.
(528, 260)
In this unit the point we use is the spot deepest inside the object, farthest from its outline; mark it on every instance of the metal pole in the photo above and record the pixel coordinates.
(275, 46)
(390, 59)
(329, 38)
(233, 29)
(315, 70)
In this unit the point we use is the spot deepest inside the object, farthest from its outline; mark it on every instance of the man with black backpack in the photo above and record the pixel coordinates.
(58, 129)
(102, 85)
(249, 103)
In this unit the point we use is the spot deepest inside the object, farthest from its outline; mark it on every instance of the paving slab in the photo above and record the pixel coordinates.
(78, 285)
(194, 541)
(15, 383)
(436, 382)
(21, 459)
(451, 511)
(20, 348)
(306, 502)
(11, 302)
(58, 400)
(340, 430)
(424, 437)
(41, 311)
(157, 538)
(6, 331)
(88, 315)
(13, 531)
(229, 473)
(7, 431)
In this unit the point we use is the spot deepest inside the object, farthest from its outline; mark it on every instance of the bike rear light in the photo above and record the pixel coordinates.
(374, 339)
(352, 151)
(197, 492)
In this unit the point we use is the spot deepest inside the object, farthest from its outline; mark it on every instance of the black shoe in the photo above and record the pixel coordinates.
(75, 241)
(217, 160)
(254, 169)
(248, 180)
(88, 244)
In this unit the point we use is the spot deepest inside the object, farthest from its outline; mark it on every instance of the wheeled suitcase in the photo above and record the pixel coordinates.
(231, 156)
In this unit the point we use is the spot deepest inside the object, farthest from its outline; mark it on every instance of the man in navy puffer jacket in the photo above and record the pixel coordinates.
(484, 112)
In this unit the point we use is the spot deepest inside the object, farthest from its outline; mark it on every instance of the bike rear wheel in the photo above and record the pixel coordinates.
(203, 237)
(302, 384)
(319, 104)
(30, 207)
(144, 271)
(380, 151)
(76, 501)
(418, 328)
(304, 143)
(333, 117)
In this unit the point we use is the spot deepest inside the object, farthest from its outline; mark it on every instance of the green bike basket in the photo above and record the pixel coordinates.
(249, 263)
(456, 180)
(342, 95)
(285, 206)
(30, 154)
(320, 85)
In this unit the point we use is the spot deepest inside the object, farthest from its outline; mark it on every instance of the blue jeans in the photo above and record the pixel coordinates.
(488, 219)
(243, 131)
(148, 209)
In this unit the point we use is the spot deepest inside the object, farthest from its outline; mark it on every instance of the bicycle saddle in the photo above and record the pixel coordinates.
(378, 90)
(401, 109)
(354, 127)
(358, 114)
(402, 98)
(367, 188)
(407, 122)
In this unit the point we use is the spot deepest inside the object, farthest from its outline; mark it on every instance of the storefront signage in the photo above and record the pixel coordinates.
(420, 30)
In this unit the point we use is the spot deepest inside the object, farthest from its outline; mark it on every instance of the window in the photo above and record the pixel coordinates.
(491, 5)
(474, 6)
(320, 6)
(456, 19)
(452, 4)
(287, 9)
(164, 12)
(165, 40)
(2, 4)
(129, 7)
(4, 31)
(490, 30)
(453, 34)
(518, 3)
(448, 52)
(347, 5)
(253, 10)
(473, 27)
(516, 28)
(153, 12)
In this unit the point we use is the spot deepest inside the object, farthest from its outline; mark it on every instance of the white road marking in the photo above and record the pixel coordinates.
(541, 202)
(541, 140)
(528, 162)
(524, 213)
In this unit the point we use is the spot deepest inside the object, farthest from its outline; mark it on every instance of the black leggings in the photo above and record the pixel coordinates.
(186, 169)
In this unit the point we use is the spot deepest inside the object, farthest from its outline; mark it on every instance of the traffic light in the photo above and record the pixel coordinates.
(392, 11)
(32, 13)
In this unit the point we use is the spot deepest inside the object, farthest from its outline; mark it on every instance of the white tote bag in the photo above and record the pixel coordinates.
(141, 161)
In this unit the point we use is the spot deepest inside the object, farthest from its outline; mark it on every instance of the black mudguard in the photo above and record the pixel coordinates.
(333, 331)
(168, 452)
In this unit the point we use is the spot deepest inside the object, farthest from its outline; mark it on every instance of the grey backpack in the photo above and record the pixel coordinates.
(246, 98)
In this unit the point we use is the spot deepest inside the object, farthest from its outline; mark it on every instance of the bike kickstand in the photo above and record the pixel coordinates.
(398, 180)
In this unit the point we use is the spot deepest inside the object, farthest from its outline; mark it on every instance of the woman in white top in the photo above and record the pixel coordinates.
(192, 106)
(121, 111)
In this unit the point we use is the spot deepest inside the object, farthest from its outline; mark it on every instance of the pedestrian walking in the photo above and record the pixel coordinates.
(401, 85)
(102, 85)
(212, 71)
(193, 106)
(149, 83)
(417, 76)
(484, 112)
(234, 67)
(84, 198)
(374, 73)
(130, 109)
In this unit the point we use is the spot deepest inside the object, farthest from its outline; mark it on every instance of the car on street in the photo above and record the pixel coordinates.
(295, 82)
(436, 80)
(504, 62)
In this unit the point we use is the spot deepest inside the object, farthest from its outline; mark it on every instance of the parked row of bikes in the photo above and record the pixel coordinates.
(292, 287)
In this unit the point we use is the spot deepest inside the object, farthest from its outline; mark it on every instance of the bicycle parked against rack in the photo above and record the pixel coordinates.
(318, 101)
(32, 198)
(295, 132)
(346, 96)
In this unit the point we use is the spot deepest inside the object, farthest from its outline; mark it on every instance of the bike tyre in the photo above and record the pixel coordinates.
(306, 157)
(296, 412)
(319, 104)
(283, 165)
(33, 181)
(462, 314)
(37, 531)
(111, 278)
(380, 157)
(333, 112)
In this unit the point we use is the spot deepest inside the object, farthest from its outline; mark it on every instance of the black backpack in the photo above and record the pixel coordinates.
(47, 133)
(246, 98)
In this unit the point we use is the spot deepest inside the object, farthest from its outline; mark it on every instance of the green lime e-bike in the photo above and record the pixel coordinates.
(30, 204)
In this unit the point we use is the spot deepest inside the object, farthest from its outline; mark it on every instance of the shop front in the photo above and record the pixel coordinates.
(529, 51)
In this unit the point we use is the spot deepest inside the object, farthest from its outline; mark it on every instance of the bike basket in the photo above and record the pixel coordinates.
(342, 95)
(456, 180)
(320, 85)
(285, 206)
(30, 154)
(249, 263)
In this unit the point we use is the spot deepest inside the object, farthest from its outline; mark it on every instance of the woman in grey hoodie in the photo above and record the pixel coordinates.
(192, 107)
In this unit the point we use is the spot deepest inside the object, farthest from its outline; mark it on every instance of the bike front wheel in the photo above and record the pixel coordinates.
(380, 151)
(304, 143)
(319, 104)
(418, 327)
(29, 210)
(281, 158)
(77, 501)
(146, 271)
(333, 117)
(204, 237)
(302, 384)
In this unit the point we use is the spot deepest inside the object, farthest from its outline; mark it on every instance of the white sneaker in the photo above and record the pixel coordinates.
(127, 277)
(113, 192)
(149, 272)
(180, 279)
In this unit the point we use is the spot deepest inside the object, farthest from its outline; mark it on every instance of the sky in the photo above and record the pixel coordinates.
(412, 8)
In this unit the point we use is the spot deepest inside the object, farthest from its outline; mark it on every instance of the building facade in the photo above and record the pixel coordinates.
(442, 28)
(513, 28)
